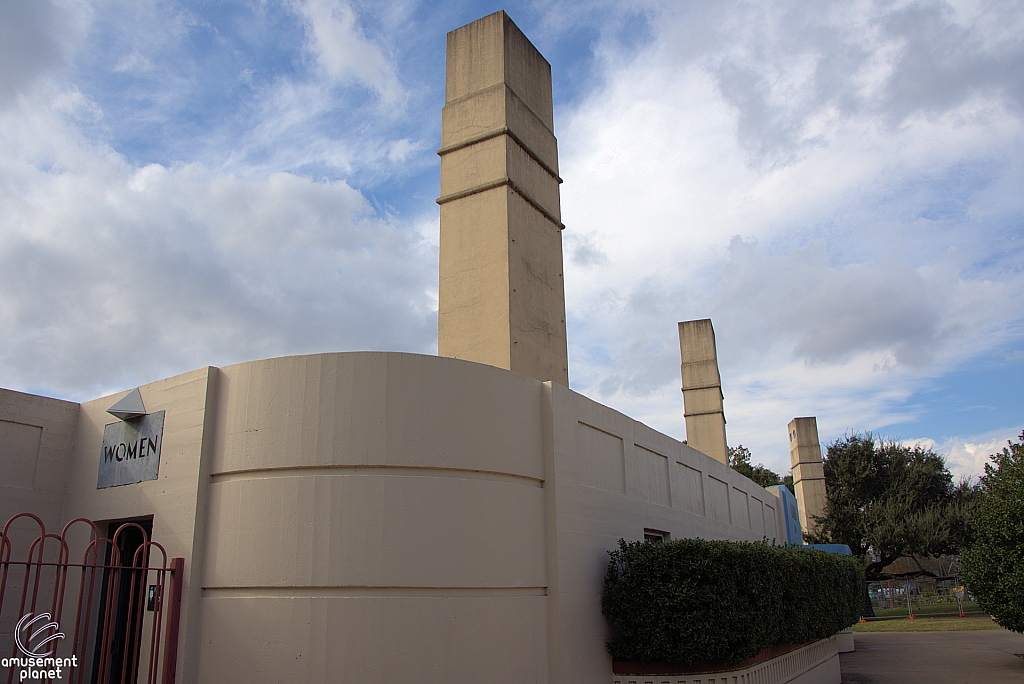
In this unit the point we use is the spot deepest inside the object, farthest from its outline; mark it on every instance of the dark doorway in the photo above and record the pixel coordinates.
(126, 602)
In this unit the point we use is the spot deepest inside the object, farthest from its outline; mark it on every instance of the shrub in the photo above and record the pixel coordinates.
(692, 601)
(822, 593)
(991, 567)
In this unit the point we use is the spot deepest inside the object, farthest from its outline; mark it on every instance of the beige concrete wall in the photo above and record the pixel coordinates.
(376, 517)
(613, 477)
(393, 517)
(380, 517)
(36, 434)
(474, 273)
(808, 472)
(702, 389)
(175, 500)
(501, 295)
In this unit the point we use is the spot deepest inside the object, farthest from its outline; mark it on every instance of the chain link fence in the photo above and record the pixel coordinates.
(921, 596)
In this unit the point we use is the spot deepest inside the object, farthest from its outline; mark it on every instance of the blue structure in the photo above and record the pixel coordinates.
(790, 513)
(794, 535)
(841, 549)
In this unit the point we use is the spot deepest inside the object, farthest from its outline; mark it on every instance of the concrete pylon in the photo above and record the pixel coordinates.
(501, 296)
(808, 471)
(702, 389)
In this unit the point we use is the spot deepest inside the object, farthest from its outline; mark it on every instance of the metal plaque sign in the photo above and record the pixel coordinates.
(131, 451)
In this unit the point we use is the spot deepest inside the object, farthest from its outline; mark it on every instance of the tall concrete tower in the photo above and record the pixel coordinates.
(808, 471)
(501, 296)
(702, 389)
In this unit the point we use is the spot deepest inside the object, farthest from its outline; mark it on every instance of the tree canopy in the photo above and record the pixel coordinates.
(992, 566)
(739, 460)
(886, 500)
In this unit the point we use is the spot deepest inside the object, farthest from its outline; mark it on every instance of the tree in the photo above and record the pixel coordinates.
(886, 500)
(992, 566)
(739, 460)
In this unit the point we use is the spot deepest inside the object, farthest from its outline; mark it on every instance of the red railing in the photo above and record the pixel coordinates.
(117, 623)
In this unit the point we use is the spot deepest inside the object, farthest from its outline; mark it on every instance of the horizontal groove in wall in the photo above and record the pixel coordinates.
(372, 592)
(504, 130)
(379, 470)
(504, 181)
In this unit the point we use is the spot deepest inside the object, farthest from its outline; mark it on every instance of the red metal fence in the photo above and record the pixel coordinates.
(84, 606)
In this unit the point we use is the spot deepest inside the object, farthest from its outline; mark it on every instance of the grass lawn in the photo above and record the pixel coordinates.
(928, 624)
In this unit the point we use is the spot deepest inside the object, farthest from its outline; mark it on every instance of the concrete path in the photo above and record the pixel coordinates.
(935, 658)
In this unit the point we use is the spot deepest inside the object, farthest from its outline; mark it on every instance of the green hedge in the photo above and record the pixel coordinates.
(693, 601)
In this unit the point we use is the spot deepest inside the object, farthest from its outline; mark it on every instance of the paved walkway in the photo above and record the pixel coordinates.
(986, 657)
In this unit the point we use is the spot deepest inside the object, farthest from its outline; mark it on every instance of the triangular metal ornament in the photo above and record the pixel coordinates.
(130, 406)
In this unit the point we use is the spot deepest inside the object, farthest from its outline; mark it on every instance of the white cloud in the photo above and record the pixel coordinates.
(399, 150)
(286, 134)
(345, 53)
(827, 314)
(134, 62)
(292, 130)
(967, 456)
(111, 275)
(36, 38)
(768, 166)
(581, 250)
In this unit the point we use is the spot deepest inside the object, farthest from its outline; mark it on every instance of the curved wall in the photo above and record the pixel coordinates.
(387, 517)
(375, 517)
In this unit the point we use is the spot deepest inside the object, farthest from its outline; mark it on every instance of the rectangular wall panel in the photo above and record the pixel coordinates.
(652, 475)
(688, 489)
(756, 515)
(19, 453)
(603, 458)
(718, 500)
(770, 521)
(740, 509)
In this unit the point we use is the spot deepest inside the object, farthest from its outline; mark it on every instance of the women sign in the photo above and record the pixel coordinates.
(131, 450)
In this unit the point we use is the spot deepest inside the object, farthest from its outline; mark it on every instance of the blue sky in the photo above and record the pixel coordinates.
(837, 185)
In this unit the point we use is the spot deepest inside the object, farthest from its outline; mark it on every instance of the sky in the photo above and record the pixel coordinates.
(838, 186)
